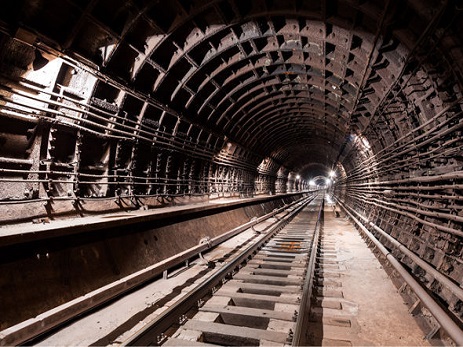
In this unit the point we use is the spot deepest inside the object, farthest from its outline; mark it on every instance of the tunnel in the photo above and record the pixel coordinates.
(189, 118)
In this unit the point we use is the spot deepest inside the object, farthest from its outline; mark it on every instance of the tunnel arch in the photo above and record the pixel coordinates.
(291, 40)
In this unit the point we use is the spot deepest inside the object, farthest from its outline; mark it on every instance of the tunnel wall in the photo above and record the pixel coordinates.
(73, 143)
(404, 173)
(40, 275)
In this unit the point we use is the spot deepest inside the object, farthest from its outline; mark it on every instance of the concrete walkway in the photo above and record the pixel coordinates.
(357, 304)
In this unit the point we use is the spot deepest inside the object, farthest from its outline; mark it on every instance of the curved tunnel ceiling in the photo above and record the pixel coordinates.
(289, 80)
(266, 77)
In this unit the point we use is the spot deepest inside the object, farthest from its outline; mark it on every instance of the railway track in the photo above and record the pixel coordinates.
(287, 278)
(257, 298)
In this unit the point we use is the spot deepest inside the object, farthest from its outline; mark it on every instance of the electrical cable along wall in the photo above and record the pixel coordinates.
(82, 149)
(408, 181)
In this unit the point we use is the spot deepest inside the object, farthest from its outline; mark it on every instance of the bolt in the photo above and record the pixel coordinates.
(182, 319)
(290, 336)
(160, 338)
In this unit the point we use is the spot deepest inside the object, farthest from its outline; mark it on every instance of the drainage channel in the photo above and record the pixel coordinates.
(258, 299)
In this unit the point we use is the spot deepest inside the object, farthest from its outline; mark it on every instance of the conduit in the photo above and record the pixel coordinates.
(414, 217)
(448, 283)
(445, 321)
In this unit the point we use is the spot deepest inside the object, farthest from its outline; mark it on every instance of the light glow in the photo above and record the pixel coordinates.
(366, 143)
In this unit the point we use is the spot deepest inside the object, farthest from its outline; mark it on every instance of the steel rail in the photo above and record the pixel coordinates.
(30, 329)
(304, 312)
(151, 333)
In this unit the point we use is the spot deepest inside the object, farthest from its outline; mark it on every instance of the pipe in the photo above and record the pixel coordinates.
(160, 136)
(425, 222)
(420, 179)
(4, 160)
(445, 321)
(419, 188)
(447, 216)
(381, 158)
(131, 131)
(437, 152)
(448, 283)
